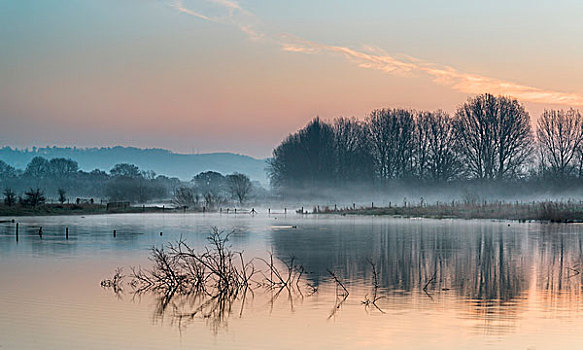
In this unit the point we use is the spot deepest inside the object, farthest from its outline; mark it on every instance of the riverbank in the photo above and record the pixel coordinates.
(78, 209)
(548, 211)
(565, 212)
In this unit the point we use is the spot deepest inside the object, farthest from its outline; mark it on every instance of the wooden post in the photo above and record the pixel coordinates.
(40, 232)
(235, 210)
(66, 233)
(372, 205)
(268, 211)
(114, 233)
(17, 232)
(285, 210)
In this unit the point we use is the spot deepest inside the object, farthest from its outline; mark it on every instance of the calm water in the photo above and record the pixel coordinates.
(442, 284)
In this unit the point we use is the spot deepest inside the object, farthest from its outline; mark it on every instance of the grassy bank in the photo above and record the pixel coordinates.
(566, 212)
(77, 209)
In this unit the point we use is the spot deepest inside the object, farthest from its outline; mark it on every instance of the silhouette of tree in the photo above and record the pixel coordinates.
(560, 138)
(304, 158)
(33, 198)
(240, 186)
(186, 197)
(437, 155)
(9, 197)
(391, 139)
(213, 187)
(6, 170)
(62, 196)
(494, 137)
(125, 169)
(354, 162)
(62, 167)
(38, 167)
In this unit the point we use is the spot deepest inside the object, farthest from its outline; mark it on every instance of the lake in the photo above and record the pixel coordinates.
(440, 284)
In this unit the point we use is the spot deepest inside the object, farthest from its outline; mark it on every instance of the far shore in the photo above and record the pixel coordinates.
(549, 211)
(101, 209)
(79, 209)
(560, 212)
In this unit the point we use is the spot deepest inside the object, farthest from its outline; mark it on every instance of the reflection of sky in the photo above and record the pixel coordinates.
(498, 286)
(142, 73)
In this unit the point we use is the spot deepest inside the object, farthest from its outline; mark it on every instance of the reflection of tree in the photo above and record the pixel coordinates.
(209, 283)
(487, 270)
(489, 267)
(481, 264)
(559, 264)
(492, 269)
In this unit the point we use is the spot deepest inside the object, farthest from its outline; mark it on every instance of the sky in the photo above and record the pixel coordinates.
(197, 76)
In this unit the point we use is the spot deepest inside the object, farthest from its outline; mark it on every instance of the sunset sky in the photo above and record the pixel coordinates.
(238, 76)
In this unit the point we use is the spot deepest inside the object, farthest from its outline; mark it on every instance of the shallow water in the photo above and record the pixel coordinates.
(443, 284)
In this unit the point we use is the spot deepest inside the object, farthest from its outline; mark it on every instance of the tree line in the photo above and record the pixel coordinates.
(61, 179)
(489, 139)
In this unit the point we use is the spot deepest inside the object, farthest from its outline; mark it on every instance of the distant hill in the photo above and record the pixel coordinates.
(164, 162)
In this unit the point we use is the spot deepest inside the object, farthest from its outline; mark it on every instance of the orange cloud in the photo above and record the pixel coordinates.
(378, 59)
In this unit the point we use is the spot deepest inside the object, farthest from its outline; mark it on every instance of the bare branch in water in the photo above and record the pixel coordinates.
(368, 302)
(207, 283)
(115, 283)
(338, 283)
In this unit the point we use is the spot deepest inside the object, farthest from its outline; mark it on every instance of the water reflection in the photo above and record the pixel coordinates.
(489, 268)
(486, 270)
(432, 280)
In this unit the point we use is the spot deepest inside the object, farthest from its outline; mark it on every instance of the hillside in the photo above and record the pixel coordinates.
(183, 166)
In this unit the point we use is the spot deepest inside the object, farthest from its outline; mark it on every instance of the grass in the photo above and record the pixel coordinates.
(549, 211)
(74, 209)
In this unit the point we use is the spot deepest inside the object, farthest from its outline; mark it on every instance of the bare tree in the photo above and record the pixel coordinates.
(62, 167)
(421, 144)
(126, 170)
(441, 161)
(34, 197)
(494, 137)
(240, 186)
(212, 186)
(38, 167)
(353, 159)
(6, 170)
(560, 138)
(186, 197)
(391, 135)
(9, 197)
(62, 196)
(514, 138)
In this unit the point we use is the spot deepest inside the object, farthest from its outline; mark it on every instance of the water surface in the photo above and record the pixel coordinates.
(442, 284)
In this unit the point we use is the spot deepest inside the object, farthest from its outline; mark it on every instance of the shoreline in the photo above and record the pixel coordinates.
(100, 209)
(72, 209)
(556, 212)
